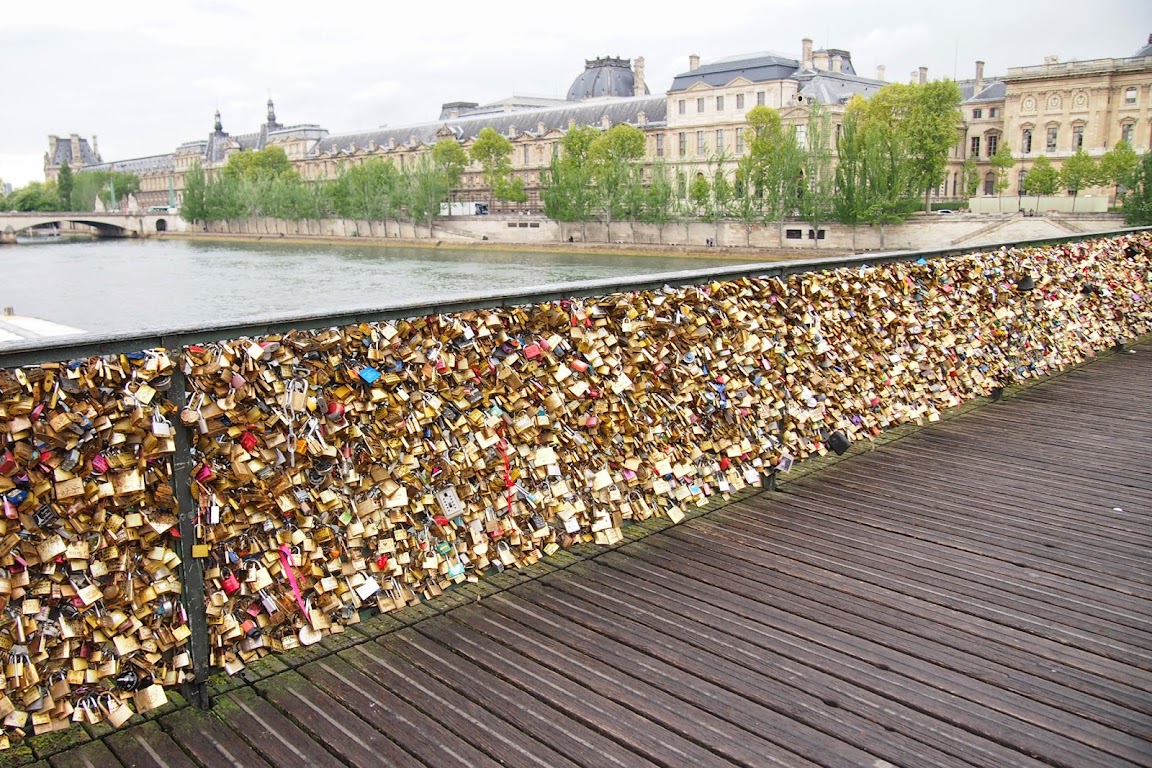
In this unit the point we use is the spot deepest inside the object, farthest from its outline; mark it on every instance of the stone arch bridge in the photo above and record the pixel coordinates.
(104, 224)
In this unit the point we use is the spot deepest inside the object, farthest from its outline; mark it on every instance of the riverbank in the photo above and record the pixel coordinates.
(721, 253)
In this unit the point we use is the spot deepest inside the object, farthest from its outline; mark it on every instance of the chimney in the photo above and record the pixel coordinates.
(820, 61)
(641, 119)
(806, 58)
(694, 62)
(837, 63)
(638, 76)
(75, 141)
(979, 78)
(1051, 59)
(53, 141)
(880, 71)
(96, 148)
(923, 77)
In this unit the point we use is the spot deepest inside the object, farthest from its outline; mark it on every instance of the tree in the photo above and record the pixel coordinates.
(1137, 196)
(270, 162)
(700, 194)
(369, 190)
(427, 187)
(64, 184)
(1002, 163)
(194, 203)
(451, 158)
(493, 152)
(775, 165)
(36, 196)
(1041, 179)
(1078, 172)
(819, 176)
(659, 198)
(925, 118)
(613, 156)
(568, 194)
(969, 177)
(1118, 166)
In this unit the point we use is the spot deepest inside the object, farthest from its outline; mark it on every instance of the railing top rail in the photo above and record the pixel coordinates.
(71, 347)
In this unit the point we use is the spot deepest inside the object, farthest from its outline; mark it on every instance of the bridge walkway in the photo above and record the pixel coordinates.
(975, 593)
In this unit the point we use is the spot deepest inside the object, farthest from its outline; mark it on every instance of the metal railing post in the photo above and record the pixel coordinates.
(193, 581)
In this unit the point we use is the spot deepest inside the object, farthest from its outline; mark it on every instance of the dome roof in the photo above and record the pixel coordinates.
(1145, 51)
(608, 76)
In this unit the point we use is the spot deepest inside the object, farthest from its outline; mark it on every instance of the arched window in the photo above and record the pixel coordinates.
(990, 183)
(1127, 131)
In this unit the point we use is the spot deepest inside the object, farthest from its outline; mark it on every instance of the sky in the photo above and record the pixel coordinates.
(147, 76)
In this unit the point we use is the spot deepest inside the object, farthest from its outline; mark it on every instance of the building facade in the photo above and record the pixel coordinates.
(697, 125)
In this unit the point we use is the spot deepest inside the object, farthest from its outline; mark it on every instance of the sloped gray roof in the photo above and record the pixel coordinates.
(990, 90)
(757, 68)
(604, 77)
(64, 153)
(151, 164)
(837, 87)
(1145, 50)
(525, 121)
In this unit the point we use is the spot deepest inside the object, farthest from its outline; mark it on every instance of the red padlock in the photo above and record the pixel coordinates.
(7, 463)
(248, 441)
(382, 562)
(230, 585)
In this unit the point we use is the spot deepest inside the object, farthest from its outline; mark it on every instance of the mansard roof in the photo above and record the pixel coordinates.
(990, 90)
(626, 110)
(137, 165)
(754, 67)
(64, 153)
(836, 87)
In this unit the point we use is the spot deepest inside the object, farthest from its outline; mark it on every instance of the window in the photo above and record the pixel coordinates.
(1020, 181)
(816, 234)
(977, 114)
(683, 143)
(994, 112)
(700, 104)
(1077, 137)
(1050, 144)
(802, 135)
(739, 142)
(739, 101)
(1126, 133)
(760, 98)
(526, 158)
(974, 149)
(794, 234)
(719, 103)
(659, 145)
(993, 144)
(1130, 95)
(682, 107)
(701, 144)
(720, 146)
(1026, 141)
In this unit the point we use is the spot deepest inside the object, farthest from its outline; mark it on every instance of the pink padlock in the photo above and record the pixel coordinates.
(204, 473)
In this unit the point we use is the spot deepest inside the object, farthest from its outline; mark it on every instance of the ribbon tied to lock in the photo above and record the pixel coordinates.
(286, 563)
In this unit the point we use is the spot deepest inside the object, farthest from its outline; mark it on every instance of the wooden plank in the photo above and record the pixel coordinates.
(269, 732)
(1014, 650)
(338, 728)
(94, 754)
(147, 745)
(654, 740)
(799, 708)
(532, 716)
(209, 740)
(983, 706)
(768, 730)
(894, 718)
(947, 653)
(420, 739)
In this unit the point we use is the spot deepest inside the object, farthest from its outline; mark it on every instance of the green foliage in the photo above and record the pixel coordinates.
(427, 187)
(493, 152)
(774, 167)
(64, 184)
(818, 173)
(874, 178)
(268, 163)
(194, 202)
(700, 194)
(925, 119)
(451, 158)
(1078, 172)
(88, 185)
(613, 157)
(36, 196)
(659, 197)
(969, 178)
(1137, 196)
(374, 189)
(568, 193)
(1002, 162)
(1042, 178)
(1119, 165)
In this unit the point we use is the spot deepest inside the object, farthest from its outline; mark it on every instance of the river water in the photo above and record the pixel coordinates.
(129, 286)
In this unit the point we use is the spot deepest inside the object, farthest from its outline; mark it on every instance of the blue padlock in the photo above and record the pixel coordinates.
(369, 374)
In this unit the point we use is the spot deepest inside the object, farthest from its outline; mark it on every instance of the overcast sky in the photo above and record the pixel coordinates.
(146, 76)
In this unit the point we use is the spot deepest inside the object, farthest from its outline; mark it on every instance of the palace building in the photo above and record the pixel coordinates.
(697, 125)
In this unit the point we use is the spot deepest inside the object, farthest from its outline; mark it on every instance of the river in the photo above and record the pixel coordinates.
(129, 286)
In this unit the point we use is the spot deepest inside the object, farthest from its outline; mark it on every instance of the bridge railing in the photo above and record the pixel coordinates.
(192, 498)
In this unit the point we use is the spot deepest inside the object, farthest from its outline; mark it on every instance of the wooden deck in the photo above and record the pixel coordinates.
(977, 593)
